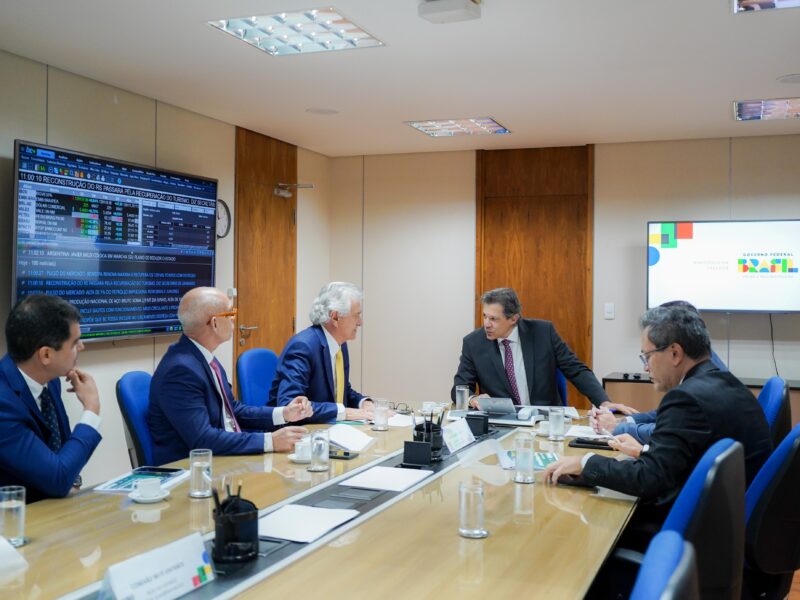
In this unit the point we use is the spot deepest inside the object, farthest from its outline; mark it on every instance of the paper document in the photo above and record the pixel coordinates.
(349, 438)
(390, 479)
(298, 523)
(401, 421)
(540, 459)
(585, 431)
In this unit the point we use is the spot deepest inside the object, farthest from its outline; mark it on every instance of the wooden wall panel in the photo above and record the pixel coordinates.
(536, 172)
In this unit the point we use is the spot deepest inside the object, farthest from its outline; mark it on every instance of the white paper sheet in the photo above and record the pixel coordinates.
(303, 524)
(390, 479)
(349, 438)
(585, 431)
(400, 421)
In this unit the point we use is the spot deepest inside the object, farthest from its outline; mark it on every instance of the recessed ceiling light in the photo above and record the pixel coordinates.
(453, 127)
(753, 5)
(790, 78)
(764, 110)
(322, 111)
(301, 32)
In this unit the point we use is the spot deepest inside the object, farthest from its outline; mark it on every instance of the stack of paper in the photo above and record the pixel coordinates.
(349, 438)
(585, 431)
(304, 524)
(391, 479)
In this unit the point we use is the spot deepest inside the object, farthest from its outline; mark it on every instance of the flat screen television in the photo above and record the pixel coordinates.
(726, 266)
(120, 241)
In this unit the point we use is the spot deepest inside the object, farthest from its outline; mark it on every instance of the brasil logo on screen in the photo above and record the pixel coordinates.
(767, 265)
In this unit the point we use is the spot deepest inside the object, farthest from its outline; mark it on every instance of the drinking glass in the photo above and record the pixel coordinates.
(320, 450)
(12, 514)
(462, 397)
(556, 418)
(200, 473)
(470, 510)
(380, 414)
(523, 460)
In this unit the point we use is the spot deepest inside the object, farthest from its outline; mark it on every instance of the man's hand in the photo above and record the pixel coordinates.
(602, 420)
(358, 414)
(473, 402)
(626, 444)
(298, 409)
(284, 439)
(85, 389)
(569, 465)
(620, 408)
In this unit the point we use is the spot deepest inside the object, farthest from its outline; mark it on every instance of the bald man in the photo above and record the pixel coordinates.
(191, 402)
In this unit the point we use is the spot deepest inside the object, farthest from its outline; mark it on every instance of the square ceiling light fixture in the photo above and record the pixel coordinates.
(763, 110)
(752, 5)
(303, 32)
(452, 127)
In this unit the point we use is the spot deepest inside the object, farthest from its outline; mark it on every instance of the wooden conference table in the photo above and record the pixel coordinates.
(543, 539)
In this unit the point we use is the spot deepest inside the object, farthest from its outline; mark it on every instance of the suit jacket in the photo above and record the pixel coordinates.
(543, 351)
(304, 369)
(186, 410)
(707, 406)
(25, 457)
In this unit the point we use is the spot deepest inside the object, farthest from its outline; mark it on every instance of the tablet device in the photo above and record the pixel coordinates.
(591, 443)
(497, 406)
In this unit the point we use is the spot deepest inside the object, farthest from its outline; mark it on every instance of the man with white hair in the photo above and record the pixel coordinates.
(315, 362)
(191, 402)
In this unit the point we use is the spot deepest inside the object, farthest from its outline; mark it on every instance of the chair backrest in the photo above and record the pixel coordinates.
(772, 510)
(255, 371)
(668, 571)
(774, 400)
(133, 397)
(561, 385)
(709, 513)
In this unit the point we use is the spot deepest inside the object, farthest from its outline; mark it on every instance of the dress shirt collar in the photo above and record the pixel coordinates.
(513, 337)
(207, 354)
(333, 345)
(35, 387)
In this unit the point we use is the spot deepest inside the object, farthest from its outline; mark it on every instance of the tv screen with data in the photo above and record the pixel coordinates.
(728, 266)
(120, 241)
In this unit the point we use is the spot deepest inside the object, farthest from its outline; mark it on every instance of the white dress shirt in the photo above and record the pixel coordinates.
(519, 364)
(333, 348)
(87, 417)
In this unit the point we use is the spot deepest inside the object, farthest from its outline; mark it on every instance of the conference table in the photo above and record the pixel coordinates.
(544, 540)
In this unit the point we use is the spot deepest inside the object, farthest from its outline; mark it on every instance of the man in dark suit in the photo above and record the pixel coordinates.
(512, 357)
(702, 405)
(315, 362)
(191, 402)
(37, 448)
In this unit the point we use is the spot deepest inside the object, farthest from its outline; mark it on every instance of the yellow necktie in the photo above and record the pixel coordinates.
(339, 377)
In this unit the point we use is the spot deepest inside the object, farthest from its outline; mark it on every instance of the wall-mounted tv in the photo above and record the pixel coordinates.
(728, 266)
(122, 242)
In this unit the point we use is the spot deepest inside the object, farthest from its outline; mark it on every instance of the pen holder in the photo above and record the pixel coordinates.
(478, 423)
(429, 431)
(236, 525)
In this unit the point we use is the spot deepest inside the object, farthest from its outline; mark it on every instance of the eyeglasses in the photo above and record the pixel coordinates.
(645, 356)
(400, 408)
(228, 313)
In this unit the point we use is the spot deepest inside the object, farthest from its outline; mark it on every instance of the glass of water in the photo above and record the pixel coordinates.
(462, 397)
(320, 450)
(380, 414)
(556, 418)
(470, 510)
(523, 458)
(12, 514)
(200, 473)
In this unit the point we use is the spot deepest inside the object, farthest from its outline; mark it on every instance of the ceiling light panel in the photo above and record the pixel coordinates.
(303, 32)
(763, 110)
(453, 127)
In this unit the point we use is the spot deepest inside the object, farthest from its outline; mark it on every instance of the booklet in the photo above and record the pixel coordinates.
(127, 483)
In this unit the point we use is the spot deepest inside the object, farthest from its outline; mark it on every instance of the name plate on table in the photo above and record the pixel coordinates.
(161, 574)
(457, 435)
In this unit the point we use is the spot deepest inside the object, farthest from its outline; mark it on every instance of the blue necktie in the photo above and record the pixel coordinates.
(51, 420)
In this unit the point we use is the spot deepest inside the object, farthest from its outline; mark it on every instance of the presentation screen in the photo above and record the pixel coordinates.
(730, 266)
(122, 242)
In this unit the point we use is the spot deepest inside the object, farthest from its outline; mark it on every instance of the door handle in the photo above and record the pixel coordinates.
(247, 328)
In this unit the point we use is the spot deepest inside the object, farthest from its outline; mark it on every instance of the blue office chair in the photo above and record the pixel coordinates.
(133, 397)
(668, 571)
(772, 514)
(709, 513)
(255, 371)
(774, 400)
(561, 385)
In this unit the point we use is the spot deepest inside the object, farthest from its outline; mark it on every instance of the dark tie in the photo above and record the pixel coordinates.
(217, 368)
(51, 420)
(512, 380)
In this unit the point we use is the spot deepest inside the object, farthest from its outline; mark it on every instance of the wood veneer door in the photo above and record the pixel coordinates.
(266, 242)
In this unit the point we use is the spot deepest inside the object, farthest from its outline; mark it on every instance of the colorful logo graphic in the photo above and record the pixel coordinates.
(766, 265)
(203, 572)
(666, 235)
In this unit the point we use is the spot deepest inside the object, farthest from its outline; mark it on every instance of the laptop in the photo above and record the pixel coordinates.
(501, 411)
(498, 407)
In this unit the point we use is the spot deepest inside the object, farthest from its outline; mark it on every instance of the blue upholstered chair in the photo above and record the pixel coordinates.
(255, 371)
(772, 516)
(774, 400)
(133, 397)
(561, 384)
(668, 571)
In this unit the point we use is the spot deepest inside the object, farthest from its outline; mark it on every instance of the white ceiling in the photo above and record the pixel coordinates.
(555, 72)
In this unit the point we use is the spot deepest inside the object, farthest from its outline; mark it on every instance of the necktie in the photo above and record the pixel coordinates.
(217, 368)
(51, 420)
(512, 380)
(339, 377)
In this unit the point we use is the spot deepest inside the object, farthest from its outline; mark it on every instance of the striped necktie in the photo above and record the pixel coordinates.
(51, 420)
(217, 368)
(512, 379)
(339, 378)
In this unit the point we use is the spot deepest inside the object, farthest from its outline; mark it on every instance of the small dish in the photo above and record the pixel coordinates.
(134, 495)
(293, 457)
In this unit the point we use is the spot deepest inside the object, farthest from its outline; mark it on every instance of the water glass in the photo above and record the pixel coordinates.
(470, 510)
(556, 418)
(380, 414)
(200, 473)
(523, 460)
(462, 397)
(12, 514)
(320, 450)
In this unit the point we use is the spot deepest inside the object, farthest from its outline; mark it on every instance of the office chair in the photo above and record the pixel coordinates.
(561, 385)
(255, 371)
(772, 515)
(668, 571)
(133, 397)
(774, 400)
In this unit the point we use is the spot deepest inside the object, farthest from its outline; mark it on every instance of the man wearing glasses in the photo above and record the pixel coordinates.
(702, 405)
(191, 402)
